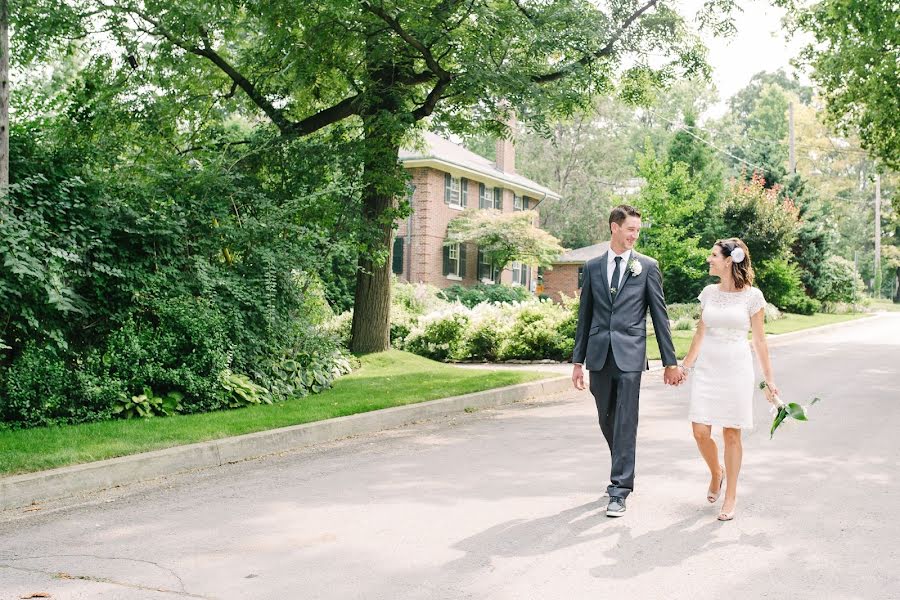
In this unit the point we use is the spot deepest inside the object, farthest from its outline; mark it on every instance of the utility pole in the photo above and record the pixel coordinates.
(792, 156)
(4, 98)
(877, 235)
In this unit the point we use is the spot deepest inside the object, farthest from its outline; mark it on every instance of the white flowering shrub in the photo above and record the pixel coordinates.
(538, 332)
(439, 335)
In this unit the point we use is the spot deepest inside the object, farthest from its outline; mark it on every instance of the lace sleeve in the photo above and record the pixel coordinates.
(703, 297)
(756, 302)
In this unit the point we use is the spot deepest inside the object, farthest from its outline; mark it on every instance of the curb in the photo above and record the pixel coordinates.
(21, 490)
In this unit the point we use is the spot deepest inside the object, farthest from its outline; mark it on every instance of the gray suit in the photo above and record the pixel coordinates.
(611, 342)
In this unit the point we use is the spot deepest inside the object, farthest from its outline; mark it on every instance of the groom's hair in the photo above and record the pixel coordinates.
(622, 212)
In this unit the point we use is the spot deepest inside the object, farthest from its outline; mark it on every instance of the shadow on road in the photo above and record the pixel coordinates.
(535, 537)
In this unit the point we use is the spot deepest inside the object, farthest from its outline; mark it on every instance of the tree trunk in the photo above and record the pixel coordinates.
(384, 125)
(371, 327)
(897, 291)
(4, 97)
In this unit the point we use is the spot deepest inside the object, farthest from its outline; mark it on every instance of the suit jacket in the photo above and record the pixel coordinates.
(621, 324)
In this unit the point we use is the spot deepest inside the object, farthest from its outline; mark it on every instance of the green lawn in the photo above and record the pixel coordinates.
(681, 339)
(885, 304)
(388, 379)
(787, 324)
(797, 322)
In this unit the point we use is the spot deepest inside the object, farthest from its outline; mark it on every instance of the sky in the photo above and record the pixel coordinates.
(759, 45)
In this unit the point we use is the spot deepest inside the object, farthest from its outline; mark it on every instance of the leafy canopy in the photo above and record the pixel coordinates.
(505, 237)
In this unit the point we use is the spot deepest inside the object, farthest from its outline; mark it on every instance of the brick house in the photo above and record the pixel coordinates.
(447, 179)
(568, 271)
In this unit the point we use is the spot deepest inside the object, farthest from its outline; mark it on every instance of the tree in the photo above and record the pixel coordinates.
(591, 158)
(854, 64)
(383, 67)
(672, 205)
(743, 103)
(690, 147)
(587, 160)
(505, 237)
(766, 222)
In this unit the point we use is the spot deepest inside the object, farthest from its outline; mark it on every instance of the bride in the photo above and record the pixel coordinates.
(720, 366)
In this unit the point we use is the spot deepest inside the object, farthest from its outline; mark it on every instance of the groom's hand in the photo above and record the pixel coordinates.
(672, 375)
(578, 377)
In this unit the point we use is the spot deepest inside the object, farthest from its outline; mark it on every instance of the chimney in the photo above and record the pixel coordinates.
(506, 150)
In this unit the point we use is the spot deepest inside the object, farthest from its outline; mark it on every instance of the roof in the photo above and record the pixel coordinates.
(582, 255)
(445, 155)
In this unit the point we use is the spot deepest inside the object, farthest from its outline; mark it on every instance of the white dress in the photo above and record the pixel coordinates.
(722, 384)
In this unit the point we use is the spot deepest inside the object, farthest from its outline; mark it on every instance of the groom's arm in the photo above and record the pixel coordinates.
(656, 300)
(585, 314)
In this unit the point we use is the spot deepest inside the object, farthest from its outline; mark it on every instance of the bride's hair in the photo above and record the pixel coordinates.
(741, 272)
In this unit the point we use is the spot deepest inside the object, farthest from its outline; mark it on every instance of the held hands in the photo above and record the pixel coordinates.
(674, 375)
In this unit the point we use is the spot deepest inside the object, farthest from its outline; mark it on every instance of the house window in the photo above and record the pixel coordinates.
(455, 261)
(520, 274)
(485, 196)
(452, 188)
(397, 258)
(517, 202)
(580, 277)
(487, 272)
(498, 198)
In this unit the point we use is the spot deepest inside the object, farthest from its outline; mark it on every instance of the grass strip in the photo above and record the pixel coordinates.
(385, 379)
(787, 324)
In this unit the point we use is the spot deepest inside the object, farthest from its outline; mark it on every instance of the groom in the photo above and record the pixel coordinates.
(611, 342)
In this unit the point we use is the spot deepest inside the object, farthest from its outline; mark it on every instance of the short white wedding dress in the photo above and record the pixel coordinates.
(722, 386)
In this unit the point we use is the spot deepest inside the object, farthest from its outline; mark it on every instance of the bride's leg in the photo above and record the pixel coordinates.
(710, 453)
(733, 455)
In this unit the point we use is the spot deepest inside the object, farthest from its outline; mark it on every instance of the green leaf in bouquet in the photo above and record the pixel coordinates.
(779, 418)
(797, 411)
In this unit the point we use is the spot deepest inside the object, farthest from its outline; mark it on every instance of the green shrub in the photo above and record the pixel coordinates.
(781, 285)
(690, 310)
(801, 305)
(310, 373)
(684, 324)
(242, 391)
(535, 334)
(838, 281)
(440, 336)
(148, 405)
(478, 294)
(843, 308)
(38, 389)
(417, 298)
(172, 345)
(772, 313)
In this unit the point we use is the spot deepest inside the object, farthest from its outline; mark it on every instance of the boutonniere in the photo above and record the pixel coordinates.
(635, 267)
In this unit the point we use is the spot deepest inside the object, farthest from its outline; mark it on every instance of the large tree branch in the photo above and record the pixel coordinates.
(604, 51)
(424, 50)
(431, 100)
(523, 10)
(341, 110)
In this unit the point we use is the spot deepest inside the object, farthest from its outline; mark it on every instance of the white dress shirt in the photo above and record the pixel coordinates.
(611, 265)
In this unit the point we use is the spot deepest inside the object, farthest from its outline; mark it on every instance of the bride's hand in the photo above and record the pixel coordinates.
(772, 391)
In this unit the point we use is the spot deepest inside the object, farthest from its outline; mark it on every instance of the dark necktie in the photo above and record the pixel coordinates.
(614, 284)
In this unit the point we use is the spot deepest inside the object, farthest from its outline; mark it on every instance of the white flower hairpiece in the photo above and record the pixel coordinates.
(737, 255)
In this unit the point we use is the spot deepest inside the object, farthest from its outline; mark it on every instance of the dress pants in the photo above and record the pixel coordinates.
(616, 394)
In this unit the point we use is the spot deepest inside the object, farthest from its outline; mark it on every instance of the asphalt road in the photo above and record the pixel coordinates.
(506, 504)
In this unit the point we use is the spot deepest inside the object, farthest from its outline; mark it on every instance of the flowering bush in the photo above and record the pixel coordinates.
(439, 335)
(536, 334)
